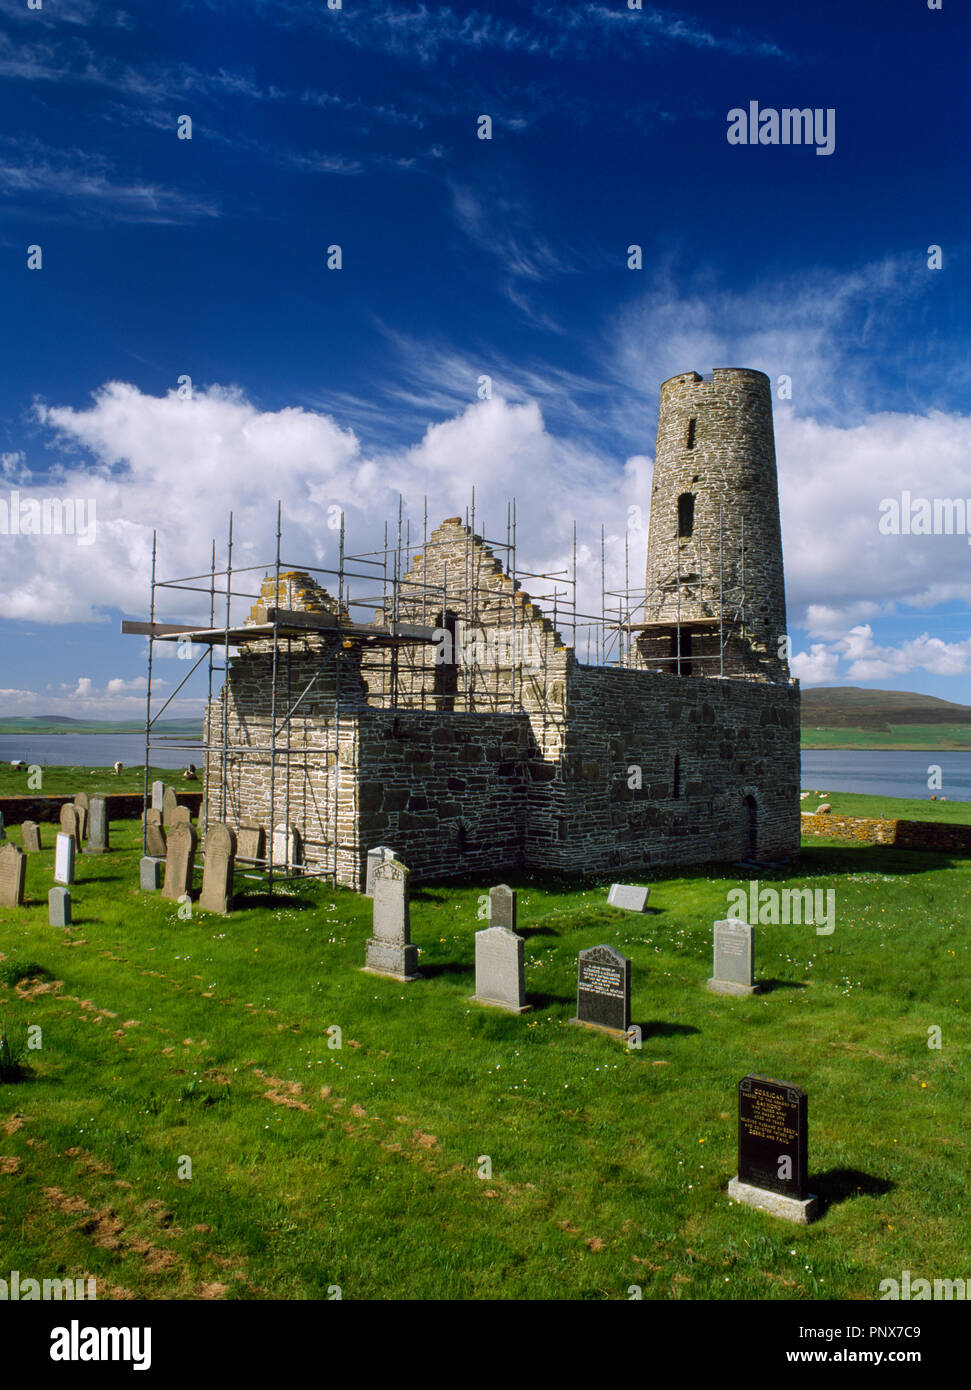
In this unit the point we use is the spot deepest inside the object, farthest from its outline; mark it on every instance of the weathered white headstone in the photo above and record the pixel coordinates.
(179, 861)
(82, 806)
(30, 831)
(158, 795)
(154, 834)
(379, 855)
(499, 973)
(150, 871)
(218, 869)
(734, 967)
(59, 907)
(630, 896)
(64, 851)
(98, 834)
(13, 868)
(71, 823)
(251, 843)
(286, 846)
(389, 951)
(502, 907)
(181, 815)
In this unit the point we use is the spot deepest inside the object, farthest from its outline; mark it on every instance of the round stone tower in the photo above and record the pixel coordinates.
(715, 601)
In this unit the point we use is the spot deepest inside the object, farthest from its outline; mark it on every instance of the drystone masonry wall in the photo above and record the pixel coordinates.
(717, 762)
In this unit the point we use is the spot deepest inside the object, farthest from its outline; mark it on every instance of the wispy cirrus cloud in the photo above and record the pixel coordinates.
(84, 182)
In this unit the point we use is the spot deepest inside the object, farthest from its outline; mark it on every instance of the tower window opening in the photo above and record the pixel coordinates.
(676, 788)
(686, 515)
(691, 433)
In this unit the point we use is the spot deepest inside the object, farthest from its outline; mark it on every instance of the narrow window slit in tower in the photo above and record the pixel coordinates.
(691, 433)
(686, 515)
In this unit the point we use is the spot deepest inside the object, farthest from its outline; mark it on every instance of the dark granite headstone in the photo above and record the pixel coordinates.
(773, 1136)
(603, 989)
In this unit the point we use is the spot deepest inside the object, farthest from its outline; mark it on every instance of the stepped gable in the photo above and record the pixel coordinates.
(451, 540)
(297, 591)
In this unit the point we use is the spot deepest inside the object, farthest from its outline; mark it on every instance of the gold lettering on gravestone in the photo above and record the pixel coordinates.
(767, 1118)
(600, 979)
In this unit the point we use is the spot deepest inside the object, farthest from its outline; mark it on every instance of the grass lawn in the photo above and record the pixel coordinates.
(313, 1166)
(96, 781)
(928, 736)
(892, 807)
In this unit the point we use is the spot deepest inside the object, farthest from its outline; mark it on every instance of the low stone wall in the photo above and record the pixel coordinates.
(121, 806)
(903, 834)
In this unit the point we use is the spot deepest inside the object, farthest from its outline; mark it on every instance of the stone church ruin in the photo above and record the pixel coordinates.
(455, 724)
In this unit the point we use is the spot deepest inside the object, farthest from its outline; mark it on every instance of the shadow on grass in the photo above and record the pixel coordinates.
(660, 1029)
(451, 968)
(842, 1184)
(527, 932)
(550, 1001)
(770, 986)
(270, 900)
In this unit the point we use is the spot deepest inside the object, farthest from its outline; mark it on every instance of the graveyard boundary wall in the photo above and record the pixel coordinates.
(901, 834)
(120, 806)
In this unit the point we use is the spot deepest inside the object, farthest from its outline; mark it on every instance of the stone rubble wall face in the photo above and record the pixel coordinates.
(731, 738)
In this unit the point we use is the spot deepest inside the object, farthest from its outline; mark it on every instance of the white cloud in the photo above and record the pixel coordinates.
(818, 666)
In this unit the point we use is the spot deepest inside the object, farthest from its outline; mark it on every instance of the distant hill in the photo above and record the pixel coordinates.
(849, 707)
(65, 724)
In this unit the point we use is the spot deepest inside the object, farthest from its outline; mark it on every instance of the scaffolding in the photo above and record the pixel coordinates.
(396, 646)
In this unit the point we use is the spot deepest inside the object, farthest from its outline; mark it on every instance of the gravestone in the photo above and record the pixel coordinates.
(30, 831)
(181, 815)
(379, 855)
(499, 975)
(64, 852)
(179, 862)
(154, 834)
(389, 951)
(630, 896)
(502, 908)
(773, 1149)
(286, 846)
(150, 870)
(71, 823)
(169, 803)
(98, 831)
(603, 989)
(734, 966)
(59, 907)
(218, 869)
(158, 794)
(13, 869)
(251, 843)
(83, 807)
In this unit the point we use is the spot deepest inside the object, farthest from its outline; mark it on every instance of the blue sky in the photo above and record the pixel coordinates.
(207, 257)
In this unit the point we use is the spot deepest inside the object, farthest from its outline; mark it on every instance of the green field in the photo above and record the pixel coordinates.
(96, 781)
(314, 1166)
(892, 807)
(919, 736)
